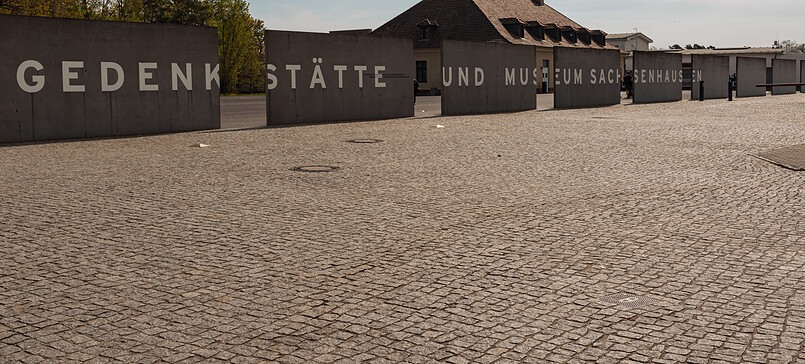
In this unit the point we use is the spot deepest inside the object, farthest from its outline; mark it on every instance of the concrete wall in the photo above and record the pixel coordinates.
(475, 78)
(750, 72)
(715, 72)
(337, 78)
(51, 79)
(586, 77)
(784, 71)
(434, 59)
(657, 77)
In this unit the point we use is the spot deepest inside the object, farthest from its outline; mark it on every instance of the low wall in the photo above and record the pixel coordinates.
(657, 77)
(67, 78)
(483, 78)
(321, 78)
(750, 73)
(586, 77)
(715, 72)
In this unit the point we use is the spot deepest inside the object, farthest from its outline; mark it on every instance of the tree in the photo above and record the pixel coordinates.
(252, 79)
(793, 46)
(189, 12)
(675, 46)
(235, 33)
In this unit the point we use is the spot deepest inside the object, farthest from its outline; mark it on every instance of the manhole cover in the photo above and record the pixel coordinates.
(792, 158)
(365, 141)
(628, 300)
(315, 169)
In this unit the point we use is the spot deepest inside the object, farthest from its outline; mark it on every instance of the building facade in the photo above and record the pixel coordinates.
(628, 43)
(520, 22)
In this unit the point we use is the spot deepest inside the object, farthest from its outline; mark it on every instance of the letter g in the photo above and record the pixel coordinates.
(38, 80)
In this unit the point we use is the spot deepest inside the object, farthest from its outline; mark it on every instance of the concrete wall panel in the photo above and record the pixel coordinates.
(58, 113)
(802, 75)
(477, 78)
(586, 77)
(750, 73)
(784, 71)
(715, 72)
(338, 78)
(657, 77)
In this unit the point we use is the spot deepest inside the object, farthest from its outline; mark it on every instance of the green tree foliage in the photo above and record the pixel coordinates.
(252, 78)
(234, 39)
(240, 36)
(190, 12)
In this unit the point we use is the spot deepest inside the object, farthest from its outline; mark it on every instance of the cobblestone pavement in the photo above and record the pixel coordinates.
(494, 239)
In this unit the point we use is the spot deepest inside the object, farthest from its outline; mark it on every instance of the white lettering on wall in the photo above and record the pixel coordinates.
(523, 76)
(660, 76)
(463, 76)
(68, 76)
(340, 69)
(479, 77)
(70, 73)
(293, 68)
(447, 81)
(318, 77)
(212, 75)
(510, 77)
(111, 66)
(360, 70)
(145, 76)
(379, 76)
(186, 77)
(271, 79)
(38, 80)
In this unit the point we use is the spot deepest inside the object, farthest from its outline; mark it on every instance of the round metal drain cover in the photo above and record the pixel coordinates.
(365, 141)
(315, 169)
(628, 300)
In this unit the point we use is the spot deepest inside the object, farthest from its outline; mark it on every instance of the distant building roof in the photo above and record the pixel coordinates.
(625, 36)
(727, 51)
(352, 32)
(487, 21)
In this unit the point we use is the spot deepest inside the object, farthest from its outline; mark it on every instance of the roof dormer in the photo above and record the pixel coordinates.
(569, 34)
(599, 37)
(583, 35)
(514, 26)
(535, 29)
(553, 32)
(427, 28)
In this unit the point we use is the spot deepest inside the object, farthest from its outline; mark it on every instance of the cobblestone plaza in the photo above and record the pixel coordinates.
(624, 234)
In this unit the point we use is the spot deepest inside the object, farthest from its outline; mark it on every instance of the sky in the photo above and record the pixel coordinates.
(721, 23)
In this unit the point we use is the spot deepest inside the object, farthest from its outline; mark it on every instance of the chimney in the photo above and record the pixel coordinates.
(539, 2)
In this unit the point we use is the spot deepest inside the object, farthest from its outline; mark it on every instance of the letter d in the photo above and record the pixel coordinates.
(479, 77)
(105, 68)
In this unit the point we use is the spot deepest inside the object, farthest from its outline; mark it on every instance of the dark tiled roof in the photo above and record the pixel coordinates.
(482, 21)
(457, 19)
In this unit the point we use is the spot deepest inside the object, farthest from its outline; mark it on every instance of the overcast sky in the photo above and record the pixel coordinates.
(722, 23)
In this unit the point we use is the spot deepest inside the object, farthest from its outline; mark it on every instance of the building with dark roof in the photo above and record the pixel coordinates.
(524, 22)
